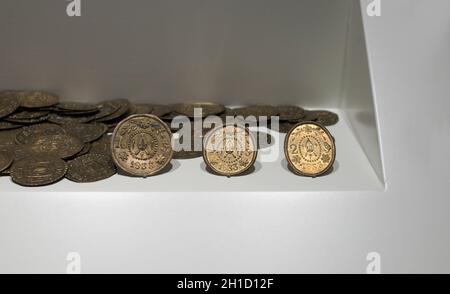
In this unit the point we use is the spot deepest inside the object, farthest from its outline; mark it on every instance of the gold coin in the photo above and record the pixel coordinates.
(141, 145)
(229, 150)
(310, 150)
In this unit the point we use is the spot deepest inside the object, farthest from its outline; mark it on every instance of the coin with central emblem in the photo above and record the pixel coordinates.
(141, 145)
(310, 149)
(230, 150)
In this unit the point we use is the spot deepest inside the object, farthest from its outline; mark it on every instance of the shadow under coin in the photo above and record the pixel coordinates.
(172, 166)
(286, 166)
(253, 169)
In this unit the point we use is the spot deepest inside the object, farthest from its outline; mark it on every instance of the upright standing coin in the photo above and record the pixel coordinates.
(90, 168)
(230, 150)
(8, 104)
(38, 170)
(141, 145)
(36, 99)
(6, 158)
(310, 149)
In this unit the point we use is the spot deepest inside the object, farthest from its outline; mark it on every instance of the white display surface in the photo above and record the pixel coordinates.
(282, 232)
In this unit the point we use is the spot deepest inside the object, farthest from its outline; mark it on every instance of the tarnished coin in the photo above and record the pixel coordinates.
(38, 170)
(77, 106)
(8, 139)
(6, 158)
(141, 145)
(27, 115)
(207, 108)
(63, 146)
(160, 110)
(310, 149)
(37, 99)
(122, 106)
(102, 145)
(30, 133)
(90, 168)
(106, 108)
(142, 109)
(86, 148)
(256, 110)
(290, 112)
(62, 119)
(8, 103)
(326, 118)
(86, 132)
(229, 150)
(5, 125)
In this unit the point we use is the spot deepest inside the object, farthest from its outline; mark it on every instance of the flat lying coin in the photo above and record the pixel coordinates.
(160, 110)
(207, 108)
(122, 106)
(90, 168)
(141, 145)
(27, 134)
(8, 139)
(5, 125)
(26, 115)
(102, 146)
(63, 146)
(37, 99)
(326, 118)
(86, 132)
(229, 150)
(290, 112)
(38, 170)
(77, 106)
(256, 111)
(8, 104)
(67, 119)
(310, 149)
(6, 158)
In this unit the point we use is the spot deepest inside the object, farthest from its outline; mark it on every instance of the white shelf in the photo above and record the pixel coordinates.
(352, 172)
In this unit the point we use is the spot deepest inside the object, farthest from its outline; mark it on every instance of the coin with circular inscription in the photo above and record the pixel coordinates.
(6, 158)
(8, 103)
(86, 132)
(90, 168)
(310, 149)
(37, 99)
(141, 145)
(63, 146)
(230, 150)
(28, 134)
(36, 171)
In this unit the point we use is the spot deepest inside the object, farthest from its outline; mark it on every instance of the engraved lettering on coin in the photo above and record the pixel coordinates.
(141, 145)
(310, 149)
(90, 168)
(229, 150)
(38, 170)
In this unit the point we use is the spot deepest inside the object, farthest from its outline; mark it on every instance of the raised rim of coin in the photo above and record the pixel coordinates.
(163, 125)
(291, 164)
(230, 174)
(8, 103)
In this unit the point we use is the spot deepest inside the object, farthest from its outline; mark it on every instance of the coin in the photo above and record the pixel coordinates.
(63, 146)
(290, 112)
(86, 132)
(85, 150)
(102, 145)
(207, 108)
(326, 118)
(38, 170)
(6, 158)
(28, 134)
(142, 109)
(77, 106)
(285, 127)
(122, 106)
(229, 150)
(310, 149)
(256, 110)
(90, 168)
(5, 125)
(141, 145)
(66, 119)
(37, 99)
(160, 110)
(263, 139)
(8, 104)
(8, 139)
(26, 115)
(106, 108)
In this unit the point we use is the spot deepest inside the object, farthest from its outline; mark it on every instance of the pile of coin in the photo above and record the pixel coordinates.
(43, 140)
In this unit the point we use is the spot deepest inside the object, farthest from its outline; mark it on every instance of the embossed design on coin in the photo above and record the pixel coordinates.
(90, 168)
(86, 132)
(310, 149)
(27, 134)
(37, 99)
(6, 158)
(230, 150)
(38, 170)
(63, 146)
(141, 145)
